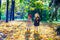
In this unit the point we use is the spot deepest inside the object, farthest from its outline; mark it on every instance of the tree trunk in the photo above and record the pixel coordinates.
(7, 5)
(0, 9)
(12, 10)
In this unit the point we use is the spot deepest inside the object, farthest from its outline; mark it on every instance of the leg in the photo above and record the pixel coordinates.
(36, 30)
(28, 29)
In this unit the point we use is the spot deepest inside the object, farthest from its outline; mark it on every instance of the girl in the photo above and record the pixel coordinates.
(29, 22)
(36, 21)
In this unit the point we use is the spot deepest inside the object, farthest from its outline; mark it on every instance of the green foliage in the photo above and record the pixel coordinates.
(21, 1)
(3, 7)
(41, 6)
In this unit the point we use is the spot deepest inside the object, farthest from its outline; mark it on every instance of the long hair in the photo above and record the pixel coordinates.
(36, 15)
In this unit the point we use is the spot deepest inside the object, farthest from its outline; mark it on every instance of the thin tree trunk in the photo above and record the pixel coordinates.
(0, 9)
(7, 5)
(12, 10)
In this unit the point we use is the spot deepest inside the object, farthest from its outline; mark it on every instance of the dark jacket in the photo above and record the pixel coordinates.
(36, 22)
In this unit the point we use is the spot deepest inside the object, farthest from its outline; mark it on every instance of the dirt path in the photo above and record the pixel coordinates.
(16, 31)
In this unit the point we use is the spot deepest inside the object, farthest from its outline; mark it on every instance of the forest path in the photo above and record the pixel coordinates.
(16, 31)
